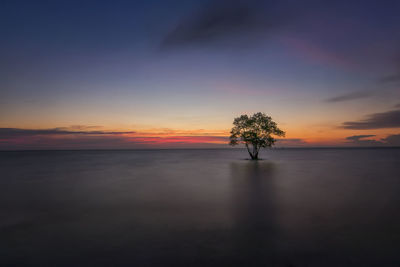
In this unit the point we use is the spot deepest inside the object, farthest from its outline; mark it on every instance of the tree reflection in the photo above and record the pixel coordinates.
(254, 211)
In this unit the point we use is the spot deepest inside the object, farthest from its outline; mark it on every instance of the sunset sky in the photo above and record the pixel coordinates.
(158, 74)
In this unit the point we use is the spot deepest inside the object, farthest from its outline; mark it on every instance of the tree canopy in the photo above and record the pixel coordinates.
(255, 132)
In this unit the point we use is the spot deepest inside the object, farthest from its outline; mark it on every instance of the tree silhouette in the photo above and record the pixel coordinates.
(255, 132)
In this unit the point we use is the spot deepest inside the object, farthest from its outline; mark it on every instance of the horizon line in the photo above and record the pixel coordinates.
(221, 148)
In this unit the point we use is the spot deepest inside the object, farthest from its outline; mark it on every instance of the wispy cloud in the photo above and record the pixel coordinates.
(361, 140)
(358, 137)
(393, 140)
(349, 96)
(389, 119)
(15, 132)
(65, 138)
(394, 77)
(222, 19)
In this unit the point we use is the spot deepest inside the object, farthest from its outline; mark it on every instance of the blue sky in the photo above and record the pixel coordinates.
(195, 65)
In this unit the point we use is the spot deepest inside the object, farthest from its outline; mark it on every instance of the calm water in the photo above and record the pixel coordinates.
(298, 207)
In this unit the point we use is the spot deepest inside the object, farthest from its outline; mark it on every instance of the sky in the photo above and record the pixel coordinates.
(174, 74)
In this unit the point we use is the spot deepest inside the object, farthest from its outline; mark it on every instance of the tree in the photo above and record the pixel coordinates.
(255, 132)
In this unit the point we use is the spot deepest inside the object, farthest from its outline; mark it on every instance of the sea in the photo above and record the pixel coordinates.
(200, 207)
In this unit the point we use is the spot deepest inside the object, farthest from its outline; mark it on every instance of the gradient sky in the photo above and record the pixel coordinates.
(138, 74)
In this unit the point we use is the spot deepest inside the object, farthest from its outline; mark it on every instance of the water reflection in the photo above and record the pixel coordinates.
(254, 211)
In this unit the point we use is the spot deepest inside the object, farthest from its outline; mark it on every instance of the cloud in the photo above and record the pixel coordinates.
(359, 140)
(222, 19)
(395, 76)
(16, 132)
(62, 138)
(397, 106)
(393, 140)
(392, 78)
(389, 119)
(348, 97)
(358, 137)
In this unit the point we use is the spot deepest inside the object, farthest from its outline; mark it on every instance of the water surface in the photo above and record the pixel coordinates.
(297, 207)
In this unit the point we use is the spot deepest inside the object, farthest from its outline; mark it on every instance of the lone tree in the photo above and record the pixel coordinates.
(255, 132)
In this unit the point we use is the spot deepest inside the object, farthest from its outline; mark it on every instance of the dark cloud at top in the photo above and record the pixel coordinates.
(389, 119)
(349, 96)
(15, 132)
(221, 19)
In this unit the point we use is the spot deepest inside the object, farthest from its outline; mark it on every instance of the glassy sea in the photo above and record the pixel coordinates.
(296, 207)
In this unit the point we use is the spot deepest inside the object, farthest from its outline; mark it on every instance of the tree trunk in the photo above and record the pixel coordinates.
(254, 154)
(248, 150)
